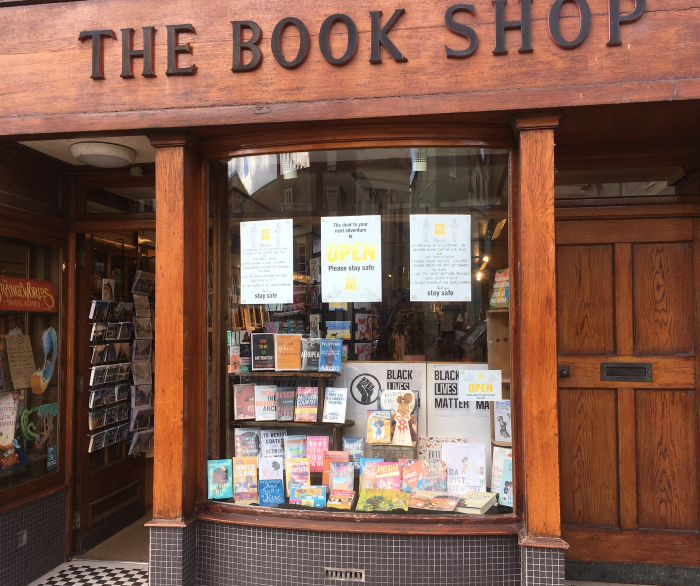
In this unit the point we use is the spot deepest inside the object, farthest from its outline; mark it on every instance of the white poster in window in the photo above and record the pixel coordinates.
(443, 395)
(480, 385)
(267, 262)
(351, 249)
(441, 265)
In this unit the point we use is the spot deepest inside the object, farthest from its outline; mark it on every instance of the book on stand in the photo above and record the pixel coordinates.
(334, 405)
(244, 401)
(286, 398)
(247, 441)
(332, 456)
(341, 476)
(297, 473)
(245, 476)
(265, 403)
(271, 481)
(295, 446)
(316, 447)
(307, 404)
(219, 479)
(355, 446)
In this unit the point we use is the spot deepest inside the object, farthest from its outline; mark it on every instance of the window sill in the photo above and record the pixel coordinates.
(349, 522)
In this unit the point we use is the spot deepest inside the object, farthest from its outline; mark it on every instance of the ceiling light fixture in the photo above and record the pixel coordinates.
(103, 154)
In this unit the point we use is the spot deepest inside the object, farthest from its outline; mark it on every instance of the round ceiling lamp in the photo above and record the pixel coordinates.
(103, 154)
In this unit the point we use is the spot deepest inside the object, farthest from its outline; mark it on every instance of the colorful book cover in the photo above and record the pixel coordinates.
(234, 360)
(363, 465)
(430, 448)
(341, 499)
(307, 404)
(499, 455)
(220, 479)
(466, 467)
(433, 501)
(265, 403)
(365, 326)
(271, 481)
(245, 480)
(363, 351)
(286, 399)
(288, 352)
(295, 446)
(310, 353)
(368, 478)
(377, 499)
(297, 472)
(272, 443)
(334, 405)
(316, 446)
(355, 446)
(246, 358)
(338, 329)
(315, 325)
(388, 401)
(501, 289)
(378, 427)
(308, 496)
(505, 495)
(263, 351)
(434, 475)
(332, 456)
(388, 475)
(272, 327)
(341, 476)
(244, 401)
(330, 355)
(411, 475)
(247, 441)
(501, 421)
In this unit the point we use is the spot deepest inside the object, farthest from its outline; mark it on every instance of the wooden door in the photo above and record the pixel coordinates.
(627, 292)
(109, 484)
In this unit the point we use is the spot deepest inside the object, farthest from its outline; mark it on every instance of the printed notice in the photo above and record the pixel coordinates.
(21, 358)
(351, 249)
(441, 257)
(267, 262)
(481, 385)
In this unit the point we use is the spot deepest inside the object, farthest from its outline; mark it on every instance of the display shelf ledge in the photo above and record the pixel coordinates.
(253, 423)
(340, 522)
(286, 373)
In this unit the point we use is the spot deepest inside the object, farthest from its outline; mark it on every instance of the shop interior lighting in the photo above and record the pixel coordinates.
(103, 154)
(419, 160)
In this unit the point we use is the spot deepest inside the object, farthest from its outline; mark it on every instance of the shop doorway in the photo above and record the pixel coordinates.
(114, 407)
(627, 332)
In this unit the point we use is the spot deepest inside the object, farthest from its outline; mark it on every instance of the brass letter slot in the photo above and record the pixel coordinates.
(626, 371)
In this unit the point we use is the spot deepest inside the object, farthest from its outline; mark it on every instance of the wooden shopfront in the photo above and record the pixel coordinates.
(572, 124)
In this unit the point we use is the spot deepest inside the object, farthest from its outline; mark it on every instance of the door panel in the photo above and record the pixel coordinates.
(663, 313)
(588, 457)
(585, 320)
(666, 456)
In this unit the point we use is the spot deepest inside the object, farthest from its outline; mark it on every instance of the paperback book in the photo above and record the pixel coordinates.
(378, 427)
(272, 443)
(501, 421)
(308, 496)
(355, 446)
(476, 503)
(332, 456)
(505, 495)
(368, 471)
(342, 476)
(246, 355)
(377, 499)
(433, 501)
(411, 475)
(316, 447)
(295, 446)
(499, 455)
(310, 353)
(330, 355)
(244, 401)
(286, 397)
(307, 404)
(220, 479)
(388, 475)
(265, 403)
(247, 441)
(245, 485)
(341, 499)
(271, 481)
(334, 405)
(288, 351)
(297, 473)
(466, 467)
(263, 351)
(434, 475)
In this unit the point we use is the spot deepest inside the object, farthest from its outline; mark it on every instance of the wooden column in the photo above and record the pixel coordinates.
(180, 328)
(536, 290)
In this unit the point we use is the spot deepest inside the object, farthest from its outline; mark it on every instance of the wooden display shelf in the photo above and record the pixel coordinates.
(287, 373)
(336, 427)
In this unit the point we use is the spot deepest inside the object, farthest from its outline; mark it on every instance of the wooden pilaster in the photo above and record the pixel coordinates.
(536, 289)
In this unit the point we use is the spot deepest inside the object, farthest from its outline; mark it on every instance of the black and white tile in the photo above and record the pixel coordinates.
(96, 574)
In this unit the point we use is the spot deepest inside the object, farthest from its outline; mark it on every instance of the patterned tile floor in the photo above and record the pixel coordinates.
(82, 573)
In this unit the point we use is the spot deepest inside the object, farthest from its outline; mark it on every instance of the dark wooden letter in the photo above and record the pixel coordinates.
(461, 29)
(503, 25)
(616, 19)
(324, 42)
(303, 42)
(174, 49)
(250, 45)
(584, 28)
(380, 36)
(98, 66)
(128, 52)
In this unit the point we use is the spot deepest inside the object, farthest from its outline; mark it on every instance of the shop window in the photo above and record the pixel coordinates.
(30, 393)
(127, 200)
(359, 358)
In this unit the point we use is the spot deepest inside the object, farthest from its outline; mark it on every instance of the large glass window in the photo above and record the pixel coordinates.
(30, 287)
(396, 334)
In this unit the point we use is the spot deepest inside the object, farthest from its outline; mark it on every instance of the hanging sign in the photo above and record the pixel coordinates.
(480, 385)
(17, 294)
(351, 249)
(441, 257)
(267, 262)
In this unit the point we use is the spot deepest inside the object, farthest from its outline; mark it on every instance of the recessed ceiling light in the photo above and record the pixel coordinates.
(103, 154)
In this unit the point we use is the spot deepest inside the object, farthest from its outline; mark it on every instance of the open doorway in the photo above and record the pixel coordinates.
(114, 409)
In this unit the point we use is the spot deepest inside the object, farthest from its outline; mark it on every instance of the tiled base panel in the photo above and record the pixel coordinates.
(216, 554)
(32, 539)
